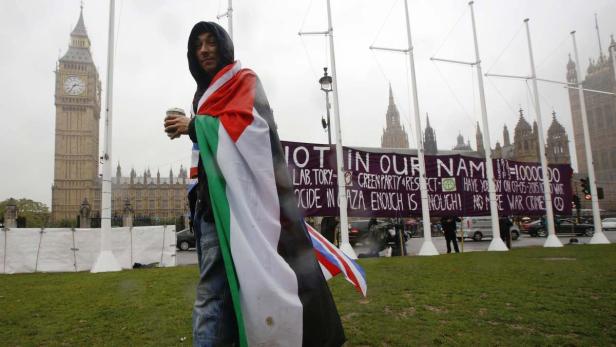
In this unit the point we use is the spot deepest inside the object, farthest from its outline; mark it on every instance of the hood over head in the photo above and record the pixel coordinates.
(225, 50)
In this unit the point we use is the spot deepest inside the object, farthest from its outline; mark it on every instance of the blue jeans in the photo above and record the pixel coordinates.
(213, 318)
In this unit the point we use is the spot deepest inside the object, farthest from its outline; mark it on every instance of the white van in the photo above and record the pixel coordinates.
(478, 228)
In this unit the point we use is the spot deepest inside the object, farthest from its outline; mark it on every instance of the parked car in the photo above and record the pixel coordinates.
(185, 239)
(359, 230)
(609, 223)
(562, 226)
(363, 231)
(479, 228)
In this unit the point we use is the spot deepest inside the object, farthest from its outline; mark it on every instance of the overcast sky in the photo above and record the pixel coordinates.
(151, 73)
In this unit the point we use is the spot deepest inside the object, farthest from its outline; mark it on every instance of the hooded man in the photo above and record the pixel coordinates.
(260, 283)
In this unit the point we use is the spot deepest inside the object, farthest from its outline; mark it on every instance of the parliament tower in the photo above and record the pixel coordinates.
(78, 106)
(394, 134)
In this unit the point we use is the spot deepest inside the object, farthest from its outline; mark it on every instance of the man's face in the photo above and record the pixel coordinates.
(207, 53)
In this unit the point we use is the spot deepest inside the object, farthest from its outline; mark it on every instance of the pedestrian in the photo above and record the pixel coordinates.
(328, 228)
(505, 224)
(259, 281)
(449, 226)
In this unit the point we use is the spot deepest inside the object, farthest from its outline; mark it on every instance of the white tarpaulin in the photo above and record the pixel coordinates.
(68, 250)
(55, 251)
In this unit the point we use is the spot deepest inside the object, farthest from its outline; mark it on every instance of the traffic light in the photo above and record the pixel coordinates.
(585, 186)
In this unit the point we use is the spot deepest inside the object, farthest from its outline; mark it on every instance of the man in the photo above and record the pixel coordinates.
(259, 281)
(504, 224)
(328, 228)
(448, 223)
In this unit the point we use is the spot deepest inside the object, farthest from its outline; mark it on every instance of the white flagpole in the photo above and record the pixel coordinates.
(599, 236)
(106, 261)
(345, 245)
(552, 240)
(229, 15)
(497, 244)
(230, 18)
(427, 248)
(612, 49)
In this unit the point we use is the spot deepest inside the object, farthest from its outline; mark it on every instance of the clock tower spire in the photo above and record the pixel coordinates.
(77, 101)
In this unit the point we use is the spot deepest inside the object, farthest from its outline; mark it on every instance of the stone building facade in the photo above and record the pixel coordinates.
(525, 145)
(162, 197)
(601, 115)
(76, 157)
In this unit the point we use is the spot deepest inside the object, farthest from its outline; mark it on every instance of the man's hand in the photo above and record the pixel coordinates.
(175, 126)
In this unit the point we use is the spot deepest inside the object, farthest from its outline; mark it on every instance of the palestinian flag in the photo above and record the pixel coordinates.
(279, 293)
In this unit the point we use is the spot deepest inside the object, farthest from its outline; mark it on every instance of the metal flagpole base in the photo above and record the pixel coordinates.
(427, 248)
(497, 245)
(348, 250)
(106, 262)
(552, 241)
(599, 238)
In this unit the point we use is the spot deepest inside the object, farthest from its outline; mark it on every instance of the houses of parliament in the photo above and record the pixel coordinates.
(524, 147)
(76, 159)
(601, 115)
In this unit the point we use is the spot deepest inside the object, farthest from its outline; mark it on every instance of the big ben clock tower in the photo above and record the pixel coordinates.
(77, 101)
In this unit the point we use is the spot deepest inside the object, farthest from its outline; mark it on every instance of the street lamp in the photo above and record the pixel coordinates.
(326, 86)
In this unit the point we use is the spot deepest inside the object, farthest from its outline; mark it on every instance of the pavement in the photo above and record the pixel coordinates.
(414, 244)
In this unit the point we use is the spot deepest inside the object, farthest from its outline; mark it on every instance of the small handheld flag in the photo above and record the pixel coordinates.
(333, 261)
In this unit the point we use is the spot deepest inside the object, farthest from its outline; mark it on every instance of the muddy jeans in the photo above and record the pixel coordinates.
(213, 318)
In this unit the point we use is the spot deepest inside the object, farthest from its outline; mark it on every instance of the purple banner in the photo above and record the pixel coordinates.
(386, 184)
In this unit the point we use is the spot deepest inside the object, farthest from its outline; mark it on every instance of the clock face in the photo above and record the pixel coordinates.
(74, 85)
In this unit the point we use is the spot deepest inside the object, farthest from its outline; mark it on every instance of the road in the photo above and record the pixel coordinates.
(413, 245)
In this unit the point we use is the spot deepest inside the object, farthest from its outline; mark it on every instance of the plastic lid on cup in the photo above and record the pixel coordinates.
(176, 110)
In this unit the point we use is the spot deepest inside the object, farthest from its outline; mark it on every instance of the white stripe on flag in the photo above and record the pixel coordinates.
(272, 311)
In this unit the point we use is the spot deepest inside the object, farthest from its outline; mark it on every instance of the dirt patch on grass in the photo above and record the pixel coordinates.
(407, 312)
(349, 316)
(435, 309)
(521, 328)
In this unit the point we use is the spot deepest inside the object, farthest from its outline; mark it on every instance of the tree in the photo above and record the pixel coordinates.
(36, 214)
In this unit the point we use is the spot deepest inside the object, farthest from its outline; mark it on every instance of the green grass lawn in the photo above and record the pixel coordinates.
(531, 296)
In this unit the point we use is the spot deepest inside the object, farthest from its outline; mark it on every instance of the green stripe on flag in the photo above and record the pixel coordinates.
(207, 128)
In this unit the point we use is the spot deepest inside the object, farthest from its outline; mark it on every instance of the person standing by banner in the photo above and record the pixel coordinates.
(328, 228)
(505, 224)
(449, 225)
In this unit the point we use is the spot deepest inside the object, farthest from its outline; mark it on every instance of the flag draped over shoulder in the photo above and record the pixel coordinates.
(279, 293)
